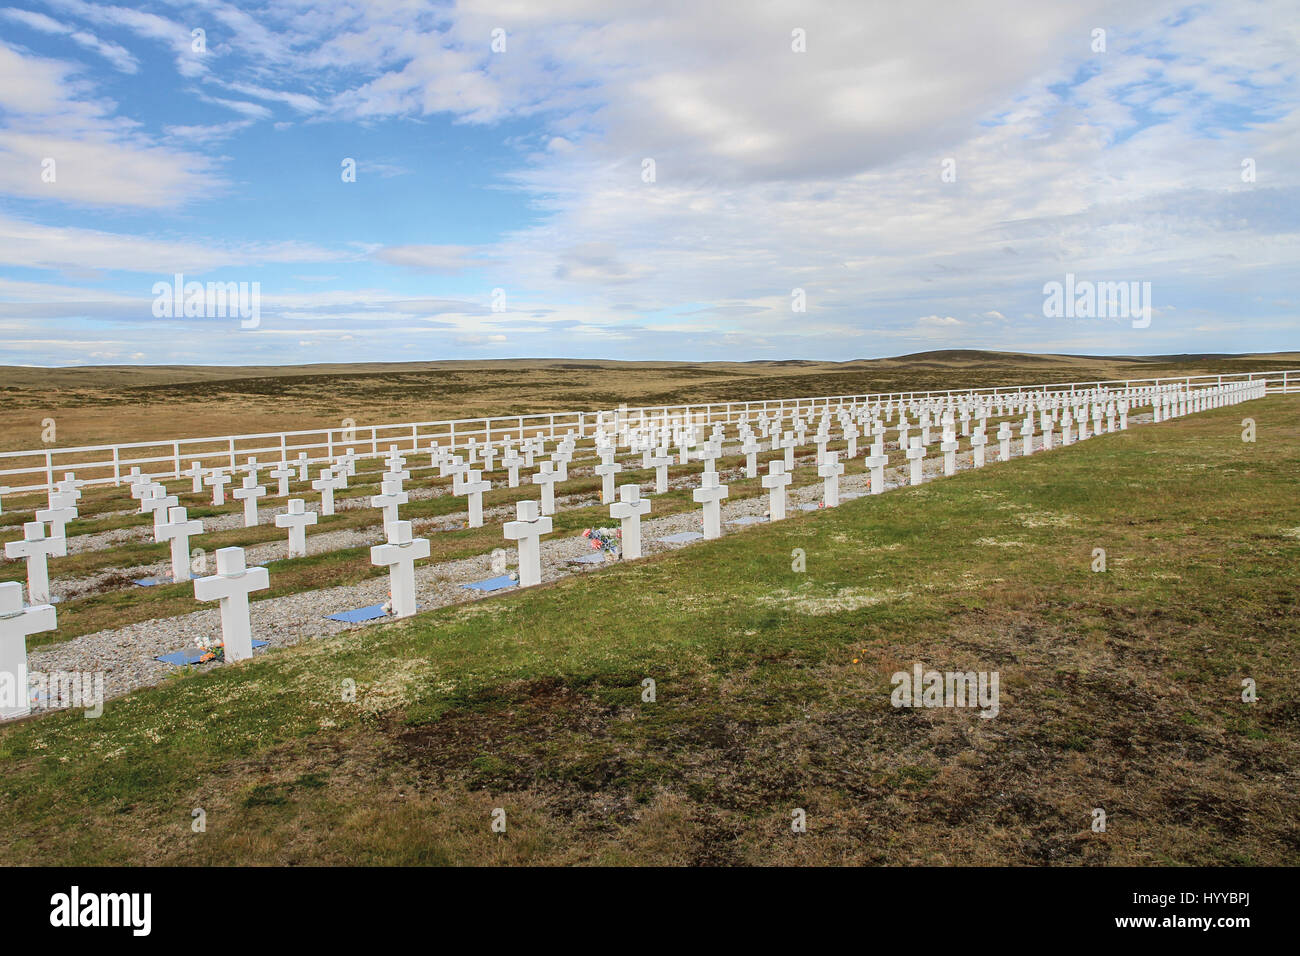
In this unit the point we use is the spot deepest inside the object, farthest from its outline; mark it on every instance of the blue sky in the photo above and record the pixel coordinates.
(500, 208)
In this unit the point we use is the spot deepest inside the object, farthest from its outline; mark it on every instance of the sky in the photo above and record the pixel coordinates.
(404, 181)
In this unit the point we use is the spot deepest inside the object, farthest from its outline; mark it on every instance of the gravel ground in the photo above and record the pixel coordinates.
(125, 655)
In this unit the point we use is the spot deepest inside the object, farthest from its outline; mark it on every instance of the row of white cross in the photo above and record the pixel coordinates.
(234, 581)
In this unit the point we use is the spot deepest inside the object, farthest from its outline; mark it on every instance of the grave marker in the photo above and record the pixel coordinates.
(231, 585)
(628, 509)
(775, 481)
(296, 520)
(399, 555)
(249, 495)
(16, 623)
(527, 530)
(178, 530)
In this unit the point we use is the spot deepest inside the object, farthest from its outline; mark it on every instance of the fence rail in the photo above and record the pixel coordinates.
(110, 464)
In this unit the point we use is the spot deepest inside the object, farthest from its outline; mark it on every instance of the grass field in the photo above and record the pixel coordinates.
(1119, 690)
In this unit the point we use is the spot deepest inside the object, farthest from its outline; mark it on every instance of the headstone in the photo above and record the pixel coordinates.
(829, 471)
(296, 520)
(876, 463)
(16, 622)
(282, 473)
(473, 487)
(196, 471)
(775, 481)
(389, 499)
(977, 442)
(37, 549)
(710, 494)
(302, 464)
(59, 514)
(949, 447)
(1004, 441)
(157, 504)
(915, 453)
(178, 530)
(660, 463)
(399, 555)
(249, 495)
(750, 450)
(628, 509)
(547, 476)
(217, 481)
(607, 470)
(1027, 436)
(527, 530)
(327, 484)
(231, 586)
(511, 462)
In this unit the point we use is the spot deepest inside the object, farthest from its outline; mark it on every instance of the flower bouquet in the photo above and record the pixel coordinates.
(606, 541)
(210, 650)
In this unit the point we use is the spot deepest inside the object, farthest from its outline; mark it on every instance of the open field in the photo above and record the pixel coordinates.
(98, 405)
(1119, 690)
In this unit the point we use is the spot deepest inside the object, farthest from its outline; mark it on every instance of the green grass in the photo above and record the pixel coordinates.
(1119, 690)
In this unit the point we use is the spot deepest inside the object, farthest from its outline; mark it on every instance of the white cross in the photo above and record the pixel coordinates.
(710, 494)
(915, 453)
(58, 515)
(37, 549)
(660, 463)
(391, 496)
(157, 505)
(473, 487)
(511, 461)
(1045, 421)
(71, 486)
(750, 449)
(231, 586)
(302, 465)
(399, 556)
(977, 442)
(178, 530)
(528, 529)
(1067, 428)
(788, 444)
(217, 480)
(547, 477)
(607, 470)
(949, 447)
(196, 471)
(1027, 435)
(282, 473)
(851, 438)
(1004, 441)
(829, 471)
(296, 520)
(876, 462)
(251, 469)
(398, 476)
(562, 459)
(249, 494)
(327, 484)
(628, 509)
(16, 622)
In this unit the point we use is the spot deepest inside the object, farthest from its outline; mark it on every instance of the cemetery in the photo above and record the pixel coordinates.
(129, 569)
(173, 573)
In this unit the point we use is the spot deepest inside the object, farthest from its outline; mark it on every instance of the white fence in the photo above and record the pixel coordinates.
(108, 464)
